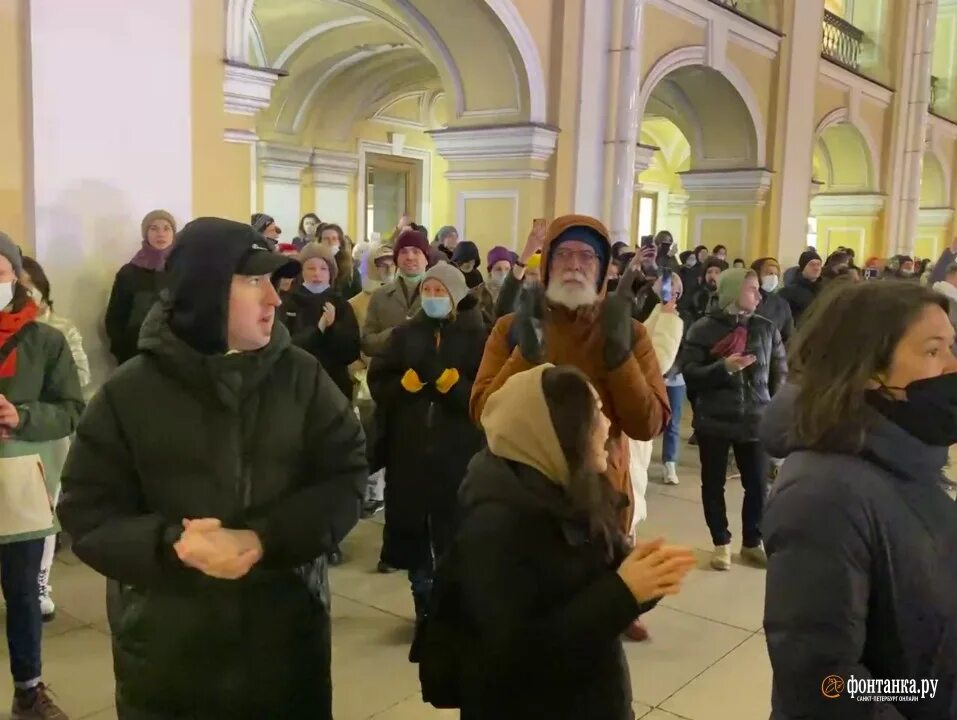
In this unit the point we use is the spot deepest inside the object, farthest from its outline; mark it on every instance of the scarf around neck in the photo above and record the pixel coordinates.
(149, 258)
(10, 324)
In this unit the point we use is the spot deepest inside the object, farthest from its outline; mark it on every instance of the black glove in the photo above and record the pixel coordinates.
(616, 324)
(527, 327)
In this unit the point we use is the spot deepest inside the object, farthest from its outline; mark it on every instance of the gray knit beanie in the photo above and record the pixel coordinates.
(452, 278)
(11, 252)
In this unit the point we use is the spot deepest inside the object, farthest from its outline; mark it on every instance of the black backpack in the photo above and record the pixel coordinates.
(444, 642)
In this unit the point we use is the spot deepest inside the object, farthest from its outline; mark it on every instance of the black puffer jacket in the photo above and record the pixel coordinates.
(776, 309)
(260, 440)
(546, 606)
(730, 405)
(135, 290)
(427, 437)
(799, 296)
(862, 572)
(337, 346)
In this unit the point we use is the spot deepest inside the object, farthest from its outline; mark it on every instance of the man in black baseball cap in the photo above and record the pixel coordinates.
(207, 481)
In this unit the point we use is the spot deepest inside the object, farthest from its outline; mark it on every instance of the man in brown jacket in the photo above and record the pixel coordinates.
(573, 323)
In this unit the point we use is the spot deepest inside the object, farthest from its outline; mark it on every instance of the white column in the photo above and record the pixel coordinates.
(111, 141)
(592, 107)
(627, 121)
(799, 83)
(333, 174)
(282, 167)
(921, 32)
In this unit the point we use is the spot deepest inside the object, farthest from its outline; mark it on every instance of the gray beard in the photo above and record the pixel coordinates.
(575, 298)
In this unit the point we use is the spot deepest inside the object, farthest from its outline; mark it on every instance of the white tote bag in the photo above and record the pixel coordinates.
(25, 506)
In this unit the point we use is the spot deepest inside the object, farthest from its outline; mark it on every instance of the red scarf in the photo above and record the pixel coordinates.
(734, 343)
(10, 324)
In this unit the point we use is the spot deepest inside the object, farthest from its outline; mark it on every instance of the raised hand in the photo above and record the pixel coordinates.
(654, 569)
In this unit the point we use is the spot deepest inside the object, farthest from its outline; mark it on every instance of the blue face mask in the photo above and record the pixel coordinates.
(316, 288)
(437, 307)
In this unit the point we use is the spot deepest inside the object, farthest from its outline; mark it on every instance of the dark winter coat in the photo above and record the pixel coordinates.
(776, 309)
(46, 392)
(799, 296)
(337, 347)
(135, 290)
(700, 303)
(348, 288)
(730, 405)
(428, 437)
(862, 571)
(546, 605)
(261, 440)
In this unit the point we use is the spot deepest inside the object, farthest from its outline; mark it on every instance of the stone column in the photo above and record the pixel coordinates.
(333, 178)
(497, 181)
(726, 207)
(800, 59)
(102, 155)
(281, 169)
(912, 110)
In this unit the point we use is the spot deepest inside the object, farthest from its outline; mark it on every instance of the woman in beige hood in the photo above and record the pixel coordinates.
(547, 582)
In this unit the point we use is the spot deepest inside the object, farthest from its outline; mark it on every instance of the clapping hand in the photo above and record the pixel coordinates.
(738, 362)
(654, 569)
(217, 552)
(9, 417)
(328, 317)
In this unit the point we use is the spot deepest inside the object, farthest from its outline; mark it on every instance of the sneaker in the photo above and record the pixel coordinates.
(721, 557)
(755, 555)
(36, 704)
(47, 606)
(636, 632)
(693, 440)
(334, 556)
(384, 568)
(671, 473)
(371, 507)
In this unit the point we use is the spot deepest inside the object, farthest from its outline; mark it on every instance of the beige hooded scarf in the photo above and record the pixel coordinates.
(519, 427)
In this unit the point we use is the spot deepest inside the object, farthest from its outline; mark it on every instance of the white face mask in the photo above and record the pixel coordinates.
(769, 283)
(6, 293)
(335, 249)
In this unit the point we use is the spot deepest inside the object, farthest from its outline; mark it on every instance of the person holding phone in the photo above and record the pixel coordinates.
(734, 361)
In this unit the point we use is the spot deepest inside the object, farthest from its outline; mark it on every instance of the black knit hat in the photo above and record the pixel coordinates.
(714, 262)
(806, 257)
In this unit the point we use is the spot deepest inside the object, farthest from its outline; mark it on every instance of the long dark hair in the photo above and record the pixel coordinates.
(846, 341)
(574, 412)
(343, 258)
(38, 277)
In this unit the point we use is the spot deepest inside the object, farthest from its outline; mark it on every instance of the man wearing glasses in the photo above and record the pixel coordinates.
(572, 322)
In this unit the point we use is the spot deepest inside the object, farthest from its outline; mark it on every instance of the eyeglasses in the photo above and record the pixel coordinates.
(585, 257)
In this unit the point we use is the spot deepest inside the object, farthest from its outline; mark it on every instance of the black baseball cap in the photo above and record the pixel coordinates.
(258, 259)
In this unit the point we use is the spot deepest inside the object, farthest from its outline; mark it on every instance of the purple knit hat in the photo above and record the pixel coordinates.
(497, 254)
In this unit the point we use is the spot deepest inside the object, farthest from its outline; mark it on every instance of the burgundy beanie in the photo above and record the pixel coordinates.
(411, 238)
(497, 254)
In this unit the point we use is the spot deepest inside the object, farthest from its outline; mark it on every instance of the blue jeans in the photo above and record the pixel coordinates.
(671, 441)
(19, 567)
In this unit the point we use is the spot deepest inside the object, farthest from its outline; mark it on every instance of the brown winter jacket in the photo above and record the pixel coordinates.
(633, 395)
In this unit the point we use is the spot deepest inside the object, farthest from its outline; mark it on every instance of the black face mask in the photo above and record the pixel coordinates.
(929, 413)
(613, 285)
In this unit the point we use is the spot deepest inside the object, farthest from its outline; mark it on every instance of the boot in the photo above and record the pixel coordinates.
(671, 473)
(637, 632)
(35, 704)
(721, 557)
(47, 606)
(755, 555)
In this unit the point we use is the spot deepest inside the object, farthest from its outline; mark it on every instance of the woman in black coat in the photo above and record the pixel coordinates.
(466, 258)
(861, 537)
(320, 321)
(137, 285)
(734, 362)
(547, 583)
(421, 387)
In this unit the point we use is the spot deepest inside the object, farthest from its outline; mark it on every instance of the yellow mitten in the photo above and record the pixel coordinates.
(446, 380)
(411, 382)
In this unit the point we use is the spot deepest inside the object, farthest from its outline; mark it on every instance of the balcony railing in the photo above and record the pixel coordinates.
(842, 41)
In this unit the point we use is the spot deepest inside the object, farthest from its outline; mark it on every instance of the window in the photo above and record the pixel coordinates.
(647, 214)
(812, 232)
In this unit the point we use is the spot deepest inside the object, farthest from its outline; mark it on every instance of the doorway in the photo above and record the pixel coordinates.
(392, 190)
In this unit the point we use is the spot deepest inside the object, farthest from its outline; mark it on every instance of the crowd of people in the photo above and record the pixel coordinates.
(502, 411)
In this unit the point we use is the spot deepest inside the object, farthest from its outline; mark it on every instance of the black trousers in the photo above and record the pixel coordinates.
(753, 464)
